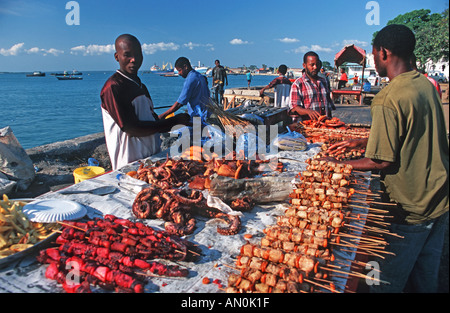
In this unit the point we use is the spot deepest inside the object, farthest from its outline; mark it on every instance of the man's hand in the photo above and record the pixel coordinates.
(314, 115)
(347, 144)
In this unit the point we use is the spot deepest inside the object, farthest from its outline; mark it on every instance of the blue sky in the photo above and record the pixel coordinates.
(34, 34)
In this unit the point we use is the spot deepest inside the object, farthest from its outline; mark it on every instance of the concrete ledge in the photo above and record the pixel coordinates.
(68, 148)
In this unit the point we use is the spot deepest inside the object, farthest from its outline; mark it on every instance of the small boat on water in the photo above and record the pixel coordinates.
(65, 73)
(69, 77)
(36, 74)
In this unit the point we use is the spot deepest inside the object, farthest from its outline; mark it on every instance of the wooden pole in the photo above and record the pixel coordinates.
(362, 81)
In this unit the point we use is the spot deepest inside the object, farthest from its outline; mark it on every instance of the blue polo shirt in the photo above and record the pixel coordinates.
(195, 94)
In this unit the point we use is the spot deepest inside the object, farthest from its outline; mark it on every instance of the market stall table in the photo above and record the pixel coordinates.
(218, 252)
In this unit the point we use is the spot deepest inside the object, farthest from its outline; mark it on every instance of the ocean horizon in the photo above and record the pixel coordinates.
(43, 110)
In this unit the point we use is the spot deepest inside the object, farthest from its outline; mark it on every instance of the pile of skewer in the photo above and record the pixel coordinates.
(314, 244)
(233, 125)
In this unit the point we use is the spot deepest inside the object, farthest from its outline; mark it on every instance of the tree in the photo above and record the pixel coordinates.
(431, 31)
(327, 65)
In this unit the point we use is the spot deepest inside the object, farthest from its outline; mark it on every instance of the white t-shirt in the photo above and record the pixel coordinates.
(124, 101)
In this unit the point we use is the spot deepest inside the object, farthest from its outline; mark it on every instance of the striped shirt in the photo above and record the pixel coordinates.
(308, 95)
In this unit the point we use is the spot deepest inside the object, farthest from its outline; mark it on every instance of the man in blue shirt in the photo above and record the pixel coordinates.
(195, 93)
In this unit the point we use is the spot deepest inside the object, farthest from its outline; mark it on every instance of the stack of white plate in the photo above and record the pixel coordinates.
(53, 210)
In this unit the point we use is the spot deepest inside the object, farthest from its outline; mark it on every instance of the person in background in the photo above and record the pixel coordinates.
(132, 128)
(355, 79)
(249, 78)
(434, 82)
(280, 80)
(408, 144)
(195, 93)
(343, 80)
(310, 95)
(220, 79)
(324, 74)
(282, 88)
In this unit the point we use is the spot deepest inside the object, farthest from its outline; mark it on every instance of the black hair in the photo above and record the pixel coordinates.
(282, 69)
(399, 39)
(128, 38)
(309, 54)
(181, 61)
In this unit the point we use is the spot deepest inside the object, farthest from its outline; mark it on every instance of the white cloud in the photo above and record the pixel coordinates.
(237, 41)
(44, 52)
(356, 42)
(52, 51)
(190, 45)
(152, 48)
(288, 40)
(14, 50)
(315, 48)
(19, 48)
(318, 48)
(93, 49)
(33, 50)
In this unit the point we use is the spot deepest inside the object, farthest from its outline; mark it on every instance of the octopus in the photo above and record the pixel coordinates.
(175, 173)
(177, 207)
(170, 173)
(243, 204)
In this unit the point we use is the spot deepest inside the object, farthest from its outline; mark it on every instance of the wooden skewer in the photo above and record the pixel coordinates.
(368, 208)
(364, 253)
(371, 248)
(73, 226)
(355, 274)
(368, 220)
(158, 276)
(235, 268)
(359, 237)
(380, 203)
(362, 172)
(320, 285)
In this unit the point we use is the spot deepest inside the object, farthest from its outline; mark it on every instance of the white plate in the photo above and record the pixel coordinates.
(53, 210)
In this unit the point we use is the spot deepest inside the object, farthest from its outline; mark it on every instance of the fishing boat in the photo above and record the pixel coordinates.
(65, 73)
(36, 74)
(167, 68)
(201, 69)
(69, 77)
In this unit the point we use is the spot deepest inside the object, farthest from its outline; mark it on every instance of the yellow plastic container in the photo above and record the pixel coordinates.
(83, 173)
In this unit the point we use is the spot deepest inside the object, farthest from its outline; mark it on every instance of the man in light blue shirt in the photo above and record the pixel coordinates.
(195, 93)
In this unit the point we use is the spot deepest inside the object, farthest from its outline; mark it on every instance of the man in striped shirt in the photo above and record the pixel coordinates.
(310, 95)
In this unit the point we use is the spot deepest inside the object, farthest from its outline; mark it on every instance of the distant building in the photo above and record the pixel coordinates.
(438, 70)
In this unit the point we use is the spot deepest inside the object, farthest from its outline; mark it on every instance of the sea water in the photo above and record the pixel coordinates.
(42, 110)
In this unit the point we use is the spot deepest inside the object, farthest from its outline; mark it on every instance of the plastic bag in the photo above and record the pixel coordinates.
(6, 185)
(249, 144)
(14, 161)
(290, 141)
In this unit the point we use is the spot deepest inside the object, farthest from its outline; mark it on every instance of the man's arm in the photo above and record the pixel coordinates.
(364, 164)
(171, 110)
(312, 114)
(147, 128)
